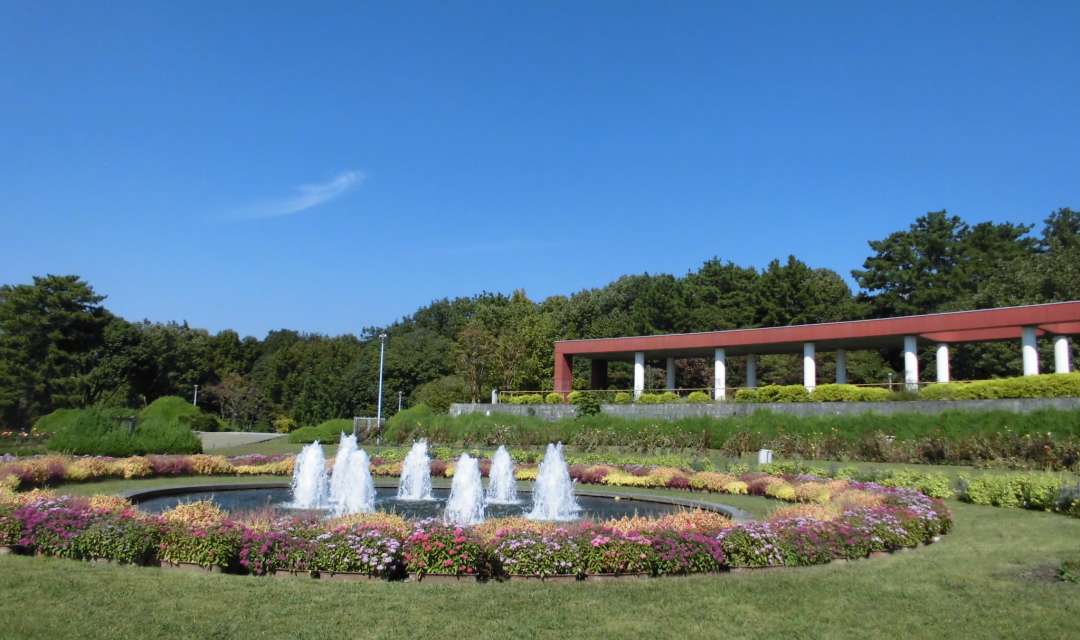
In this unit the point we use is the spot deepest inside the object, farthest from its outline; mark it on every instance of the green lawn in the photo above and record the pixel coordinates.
(994, 577)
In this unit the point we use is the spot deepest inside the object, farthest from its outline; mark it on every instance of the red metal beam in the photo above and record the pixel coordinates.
(977, 335)
(1055, 314)
(1061, 328)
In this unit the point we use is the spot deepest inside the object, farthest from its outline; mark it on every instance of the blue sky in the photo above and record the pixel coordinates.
(325, 167)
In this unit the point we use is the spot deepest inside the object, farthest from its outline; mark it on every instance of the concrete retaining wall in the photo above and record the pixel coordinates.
(728, 409)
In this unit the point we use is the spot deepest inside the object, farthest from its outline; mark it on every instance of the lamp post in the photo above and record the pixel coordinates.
(378, 411)
(195, 398)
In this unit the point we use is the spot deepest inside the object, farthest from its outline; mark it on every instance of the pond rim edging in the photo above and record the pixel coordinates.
(139, 495)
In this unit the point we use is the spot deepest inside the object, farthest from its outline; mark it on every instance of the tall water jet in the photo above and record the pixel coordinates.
(338, 479)
(309, 481)
(415, 482)
(502, 489)
(553, 492)
(466, 503)
(357, 492)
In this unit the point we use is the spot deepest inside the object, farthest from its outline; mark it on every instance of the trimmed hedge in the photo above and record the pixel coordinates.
(698, 397)
(658, 398)
(821, 393)
(1049, 385)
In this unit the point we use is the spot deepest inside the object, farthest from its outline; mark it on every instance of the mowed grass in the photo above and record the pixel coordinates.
(994, 577)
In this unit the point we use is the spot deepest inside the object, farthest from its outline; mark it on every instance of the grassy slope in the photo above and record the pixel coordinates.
(280, 446)
(992, 578)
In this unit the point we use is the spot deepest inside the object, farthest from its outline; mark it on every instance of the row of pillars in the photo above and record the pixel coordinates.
(1029, 349)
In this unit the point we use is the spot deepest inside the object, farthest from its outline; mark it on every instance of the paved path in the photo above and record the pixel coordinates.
(226, 439)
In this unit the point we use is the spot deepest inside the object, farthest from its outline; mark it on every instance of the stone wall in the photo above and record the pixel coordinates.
(728, 409)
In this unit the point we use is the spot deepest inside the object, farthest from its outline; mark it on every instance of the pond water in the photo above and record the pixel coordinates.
(241, 500)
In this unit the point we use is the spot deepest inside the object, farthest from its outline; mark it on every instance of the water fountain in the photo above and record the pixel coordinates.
(466, 503)
(357, 494)
(553, 493)
(502, 488)
(338, 479)
(309, 483)
(415, 483)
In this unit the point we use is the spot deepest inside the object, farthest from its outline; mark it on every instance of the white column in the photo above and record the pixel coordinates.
(943, 363)
(841, 366)
(809, 367)
(911, 363)
(1062, 354)
(639, 373)
(670, 374)
(1030, 352)
(751, 371)
(720, 371)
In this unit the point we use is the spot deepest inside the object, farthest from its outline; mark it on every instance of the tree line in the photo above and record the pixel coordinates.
(61, 347)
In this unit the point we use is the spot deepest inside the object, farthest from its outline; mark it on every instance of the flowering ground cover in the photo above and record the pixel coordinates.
(994, 576)
(836, 520)
(791, 481)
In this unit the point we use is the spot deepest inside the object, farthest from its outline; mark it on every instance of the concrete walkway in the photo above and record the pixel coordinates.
(226, 439)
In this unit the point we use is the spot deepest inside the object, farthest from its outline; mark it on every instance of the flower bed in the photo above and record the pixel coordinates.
(856, 520)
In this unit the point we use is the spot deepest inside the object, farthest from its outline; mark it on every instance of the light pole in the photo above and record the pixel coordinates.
(195, 398)
(378, 411)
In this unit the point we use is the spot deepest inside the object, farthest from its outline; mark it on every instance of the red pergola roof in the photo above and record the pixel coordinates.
(981, 325)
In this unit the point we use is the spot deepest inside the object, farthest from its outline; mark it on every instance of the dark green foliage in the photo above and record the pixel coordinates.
(440, 394)
(120, 432)
(585, 404)
(49, 331)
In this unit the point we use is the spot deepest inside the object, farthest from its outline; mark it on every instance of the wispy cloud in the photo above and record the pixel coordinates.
(306, 197)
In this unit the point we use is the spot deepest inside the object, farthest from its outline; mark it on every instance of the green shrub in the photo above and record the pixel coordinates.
(783, 393)
(1070, 571)
(304, 435)
(1039, 491)
(992, 490)
(553, 398)
(56, 420)
(935, 485)
(1050, 385)
(586, 404)
(658, 398)
(622, 397)
(698, 397)
(835, 393)
(201, 422)
(284, 424)
(441, 393)
(119, 432)
(170, 409)
(527, 398)
(873, 394)
(327, 432)
(746, 395)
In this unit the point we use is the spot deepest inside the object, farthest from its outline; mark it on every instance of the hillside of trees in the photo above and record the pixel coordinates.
(61, 347)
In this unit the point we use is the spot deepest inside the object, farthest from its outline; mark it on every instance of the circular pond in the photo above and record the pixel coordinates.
(277, 498)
